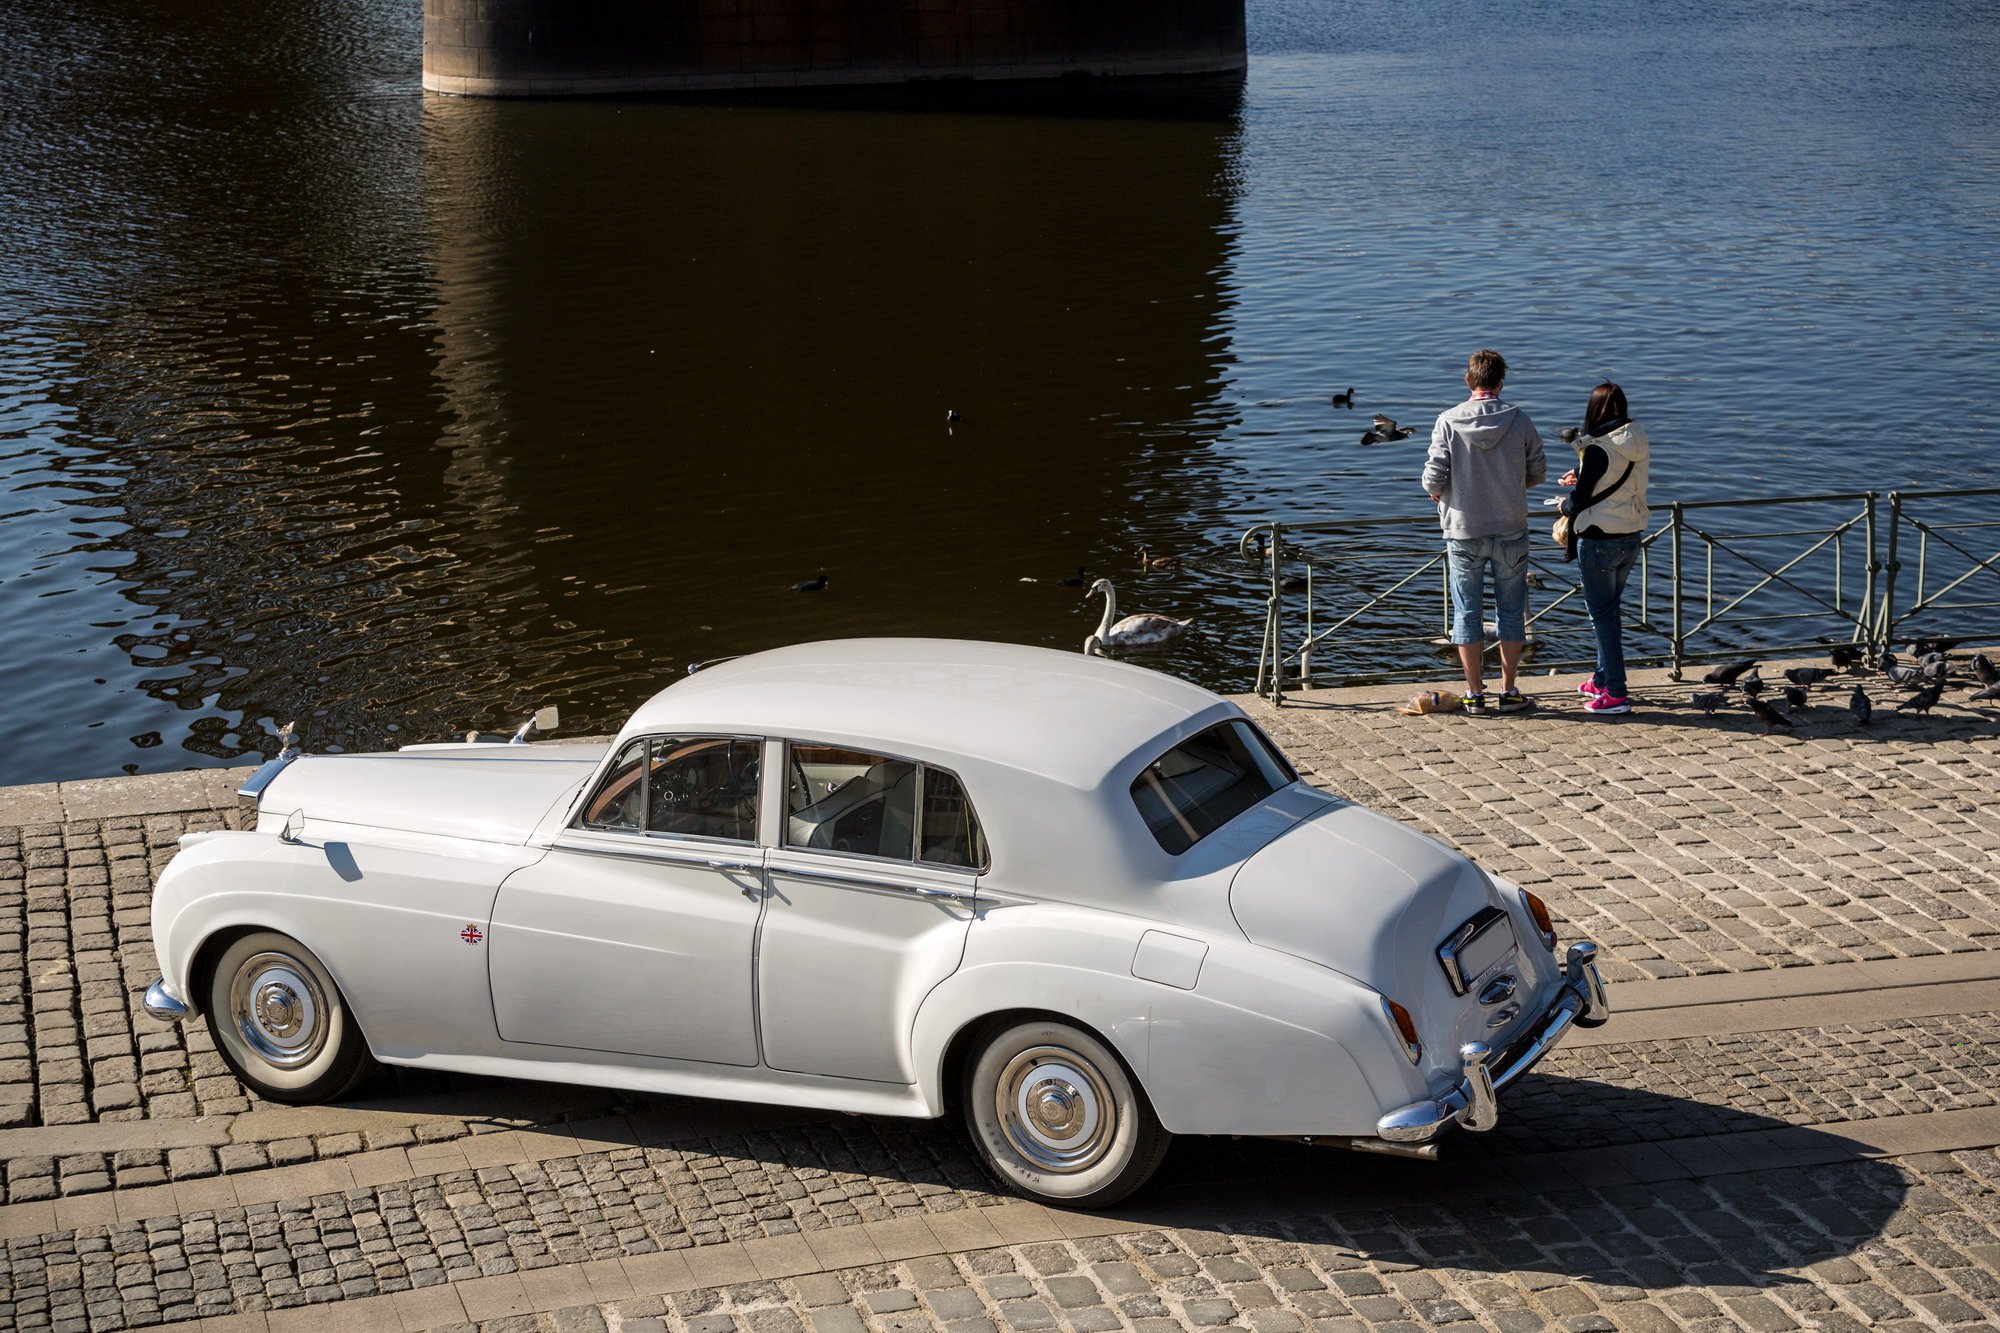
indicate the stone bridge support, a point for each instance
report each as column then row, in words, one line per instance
column 584, row 47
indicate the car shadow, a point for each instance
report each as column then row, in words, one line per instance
column 1742, row 1196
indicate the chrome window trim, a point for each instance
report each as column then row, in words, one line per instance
column 1470, row 929
column 578, row 824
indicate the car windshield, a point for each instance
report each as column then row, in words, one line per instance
column 1206, row 781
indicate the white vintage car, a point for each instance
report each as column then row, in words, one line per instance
column 1083, row 904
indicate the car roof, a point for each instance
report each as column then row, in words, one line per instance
column 1062, row 715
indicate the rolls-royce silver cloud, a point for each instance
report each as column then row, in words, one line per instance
column 1083, row 905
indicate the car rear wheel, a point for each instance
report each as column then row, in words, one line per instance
column 280, row 1022
column 1057, row 1117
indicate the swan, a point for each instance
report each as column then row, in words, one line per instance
column 1140, row 631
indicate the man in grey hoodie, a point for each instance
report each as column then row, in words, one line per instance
column 1485, row 454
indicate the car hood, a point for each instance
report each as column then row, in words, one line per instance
column 493, row 793
column 1356, row 892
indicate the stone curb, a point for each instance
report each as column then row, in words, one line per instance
column 1542, row 685
column 122, row 797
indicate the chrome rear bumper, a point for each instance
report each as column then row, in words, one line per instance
column 1474, row 1103
column 166, row 1006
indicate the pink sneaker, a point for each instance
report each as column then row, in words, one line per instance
column 1589, row 688
column 1607, row 703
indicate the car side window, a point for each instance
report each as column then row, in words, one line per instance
column 689, row 786
column 951, row 832
column 1206, row 781
column 619, row 802
column 845, row 800
column 704, row 787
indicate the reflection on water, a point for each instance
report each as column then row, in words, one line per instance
column 408, row 414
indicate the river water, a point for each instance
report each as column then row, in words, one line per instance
column 401, row 415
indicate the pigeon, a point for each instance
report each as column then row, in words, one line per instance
column 1077, row 580
column 1568, row 434
column 1752, row 685
column 1935, row 664
column 1982, row 667
column 1858, row 704
column 1990, row 692
column 815, row 584
column 1923, row 700
column 1922, row 647
column 1795, row 697
column 1768, row 715
column 1807, row 675
column 1726, row 675
column 1708, row 703
column 1845, row 658
column 1901, row 674
column 1387, row 431
column 1344, row 399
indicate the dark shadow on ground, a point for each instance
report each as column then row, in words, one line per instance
column 1490, row 1204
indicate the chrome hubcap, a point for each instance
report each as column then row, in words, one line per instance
column 277, row 1005
column 1056, row 1109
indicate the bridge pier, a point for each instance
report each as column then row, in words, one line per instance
column 501, row 48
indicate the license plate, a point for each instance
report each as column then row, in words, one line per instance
column 1476, row 946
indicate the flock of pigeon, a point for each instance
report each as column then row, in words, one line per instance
column 1930, row 676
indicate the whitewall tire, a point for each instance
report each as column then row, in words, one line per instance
column 1057, row 1117
column 280, row 1022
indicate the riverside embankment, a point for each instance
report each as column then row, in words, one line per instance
column 1790, row 1122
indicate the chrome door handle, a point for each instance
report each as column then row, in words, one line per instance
column 943, row 895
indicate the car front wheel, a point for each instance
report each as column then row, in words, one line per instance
column 1058, row 1118
column 280, row 1022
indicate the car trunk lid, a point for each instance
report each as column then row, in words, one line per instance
column 1361, row 894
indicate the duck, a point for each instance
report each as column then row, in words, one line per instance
column 1163, row 563
column 1386, row 431
column 1344, row 399
column 815, row 584
column 1076, row 580
column 1137, row 631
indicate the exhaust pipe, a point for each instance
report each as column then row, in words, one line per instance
column 1423, row 1152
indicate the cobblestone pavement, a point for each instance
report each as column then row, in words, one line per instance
column 1685, row 847
column 1686, row 844
column 1836, row 1249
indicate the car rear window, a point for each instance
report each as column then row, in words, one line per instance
column 1206, row 781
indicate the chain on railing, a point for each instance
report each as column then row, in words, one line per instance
column 1812, row 579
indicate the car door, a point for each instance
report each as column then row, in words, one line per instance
column 871, row 890
column 635, row 934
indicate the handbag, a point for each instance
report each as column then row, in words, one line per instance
column 1564, row 528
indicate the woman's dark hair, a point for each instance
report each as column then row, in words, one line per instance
column 1607, row 403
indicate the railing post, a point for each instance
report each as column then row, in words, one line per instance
column 1885, row 626
column 1872, row 592
column 1277, row 616
column 1677, row 592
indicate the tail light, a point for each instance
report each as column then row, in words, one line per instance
column 1539, row 910
column 1406, row 1028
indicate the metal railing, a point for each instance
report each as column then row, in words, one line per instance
column 1720, row 578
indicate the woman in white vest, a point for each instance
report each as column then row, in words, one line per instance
column 1607, row 503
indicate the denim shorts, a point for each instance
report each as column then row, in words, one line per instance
column 1468, row 558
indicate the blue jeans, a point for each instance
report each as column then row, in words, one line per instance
column 1604, row 563
column 1468, row 558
